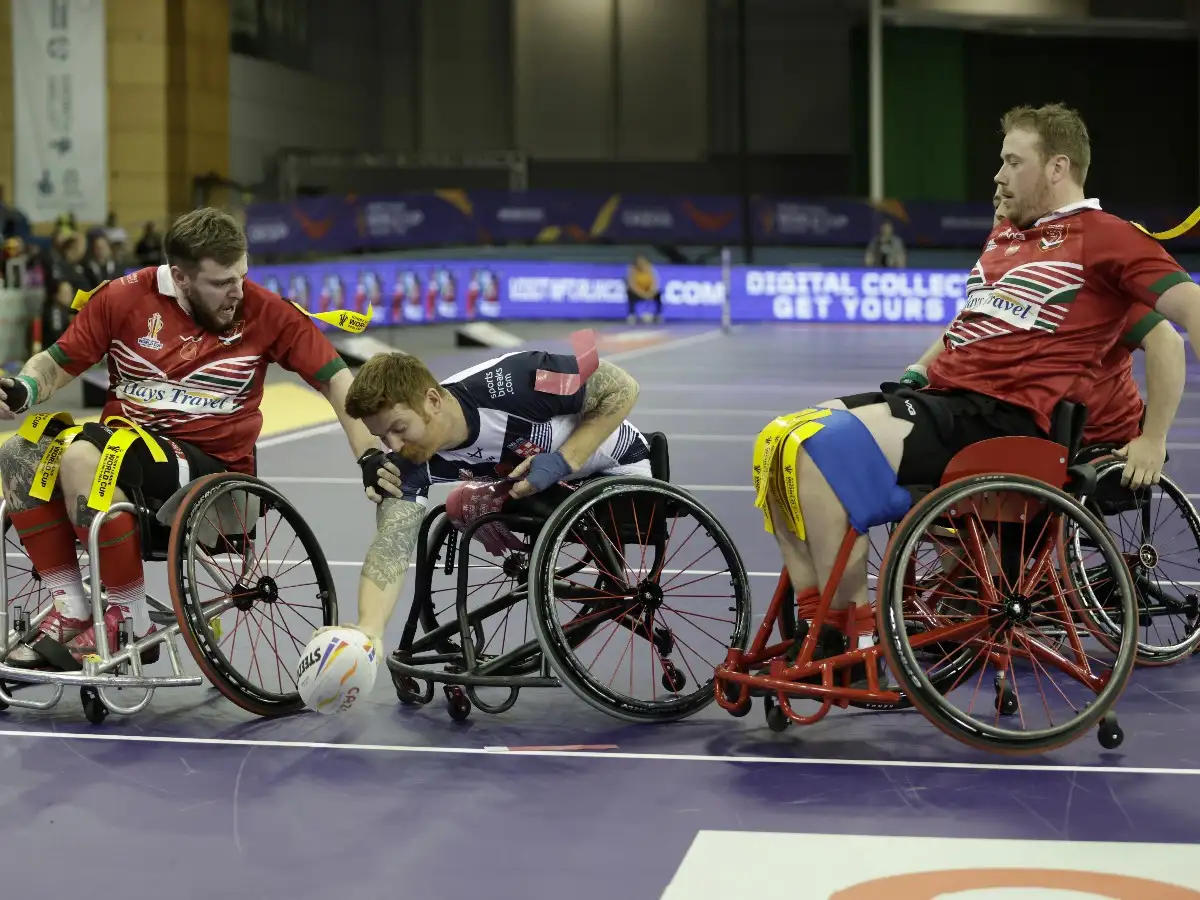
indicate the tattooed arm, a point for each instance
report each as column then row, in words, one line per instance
column 48, row 376
column 398, row 522
column 609, row 397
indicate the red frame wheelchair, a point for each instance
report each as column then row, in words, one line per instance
column 974, row 579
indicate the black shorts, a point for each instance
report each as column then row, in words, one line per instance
column 156, row 481
column 944, row 422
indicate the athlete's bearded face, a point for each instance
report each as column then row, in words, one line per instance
column 1024, row 182
column 213, row 293
column 416, row 434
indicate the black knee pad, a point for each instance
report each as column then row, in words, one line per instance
column 130, row 474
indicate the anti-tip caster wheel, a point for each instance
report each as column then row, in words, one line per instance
column 1006, row 701
column 409, row 692
column 458, row 704
column 93, row 707
column 732, row 692
column 1110, row 734
column 672, row 679
column 777, row 719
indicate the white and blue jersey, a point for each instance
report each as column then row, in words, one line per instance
column 509, row 420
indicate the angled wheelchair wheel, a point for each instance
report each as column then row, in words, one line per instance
column 1039, row 680
column 654, row 596
column 249, row 584
column 1158, row 533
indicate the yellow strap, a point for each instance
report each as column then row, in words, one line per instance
column 47, row 471
column 345, row 319
column 82, row 297
column 105, row 482
column 774, row 468
column 35, row 426
column 156, row 450
column 1181, row 229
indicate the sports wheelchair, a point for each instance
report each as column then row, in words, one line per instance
column 215, row 535
column 974, row 576
column 1158, row 531
column 628, row 608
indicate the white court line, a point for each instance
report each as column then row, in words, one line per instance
column 592, row 754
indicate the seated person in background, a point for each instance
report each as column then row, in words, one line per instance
column 1047, row 300
column 641, row 284
column 531, row 417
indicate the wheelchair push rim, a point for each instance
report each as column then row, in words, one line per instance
column 663, row 617
column 254, row 591
column 1017, row 618
column 1168, row 613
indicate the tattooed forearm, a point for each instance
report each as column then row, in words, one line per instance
column 49, row 376
column 398, row 524
column 610, row 390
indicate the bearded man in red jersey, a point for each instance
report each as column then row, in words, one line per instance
column 1046, row 302
column 188, row 345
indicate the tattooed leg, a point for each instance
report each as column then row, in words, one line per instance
column 19, row 460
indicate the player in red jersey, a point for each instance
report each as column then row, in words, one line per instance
column 188, row 346
column 1045, row 303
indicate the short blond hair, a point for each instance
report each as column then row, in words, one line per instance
column 1061, row 132
column 387, row 379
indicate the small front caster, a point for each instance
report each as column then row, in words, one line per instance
column 672, row 679
column 777, row 719
column 93, row 706
column 1110, row 734
column 459, row 705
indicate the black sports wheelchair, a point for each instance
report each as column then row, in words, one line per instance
column 248, row 585
column 632, row 588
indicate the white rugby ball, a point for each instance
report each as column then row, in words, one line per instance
column 337, row 668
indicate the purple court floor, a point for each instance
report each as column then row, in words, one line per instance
column 195, row 798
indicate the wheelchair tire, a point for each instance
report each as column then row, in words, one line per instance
column 565, row 659
column 195, row 616
column 915, row 683
column 1090, row 597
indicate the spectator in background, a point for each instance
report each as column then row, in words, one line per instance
column 886, row 250
column 67, row 275
column 99, row 266
column 13, row 223
column 149, row 249
column 116, row 235
column 641, row 284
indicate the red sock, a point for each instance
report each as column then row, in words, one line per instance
column 121, row 566
column 49, row 540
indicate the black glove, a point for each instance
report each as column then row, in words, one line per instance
column 370, row 463
column 16, row 394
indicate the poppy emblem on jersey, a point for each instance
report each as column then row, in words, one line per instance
column 190, row 348
column 1053, row 236
column 1012, row 249
column 232, row 334
column 150, row 340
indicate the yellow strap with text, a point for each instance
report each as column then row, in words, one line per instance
column 1178, row 231
column 345, row 319
column 104, row 484
column 156, row 450
column 46, row 475
column 35, row 426
column 82, row 297
column 774, row 468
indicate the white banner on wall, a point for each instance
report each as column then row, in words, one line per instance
column 60, row 88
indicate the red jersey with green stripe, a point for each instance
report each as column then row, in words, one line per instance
column 1114, row 404
column 167, row 373
column 1045, row 305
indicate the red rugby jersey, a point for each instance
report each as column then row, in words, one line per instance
column 168, row 374
column 1114, row 404
column 1046, row 304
